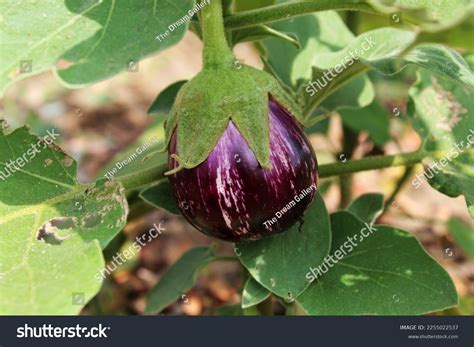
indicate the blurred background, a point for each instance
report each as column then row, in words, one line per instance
column 101, row 123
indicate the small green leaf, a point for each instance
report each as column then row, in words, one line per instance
column 140, row 155
column 97, row 39
column 253, row 293
column 367, row 207
column 317, row 33
column 160, row 195
column 164, row 101
column 374, row 119
column 358, row 92
column 385, row 273
column 463, row 235
column 178, row 279
column 442, row 113
column 52, row 228
column 279, row 262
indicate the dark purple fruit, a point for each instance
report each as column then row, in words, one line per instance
column 231, row 197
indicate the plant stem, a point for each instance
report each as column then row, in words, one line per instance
column 216, row 50
column 144, row 177
column 406, row 175
column 283, row 11
column 150, row 175
column 349, row 145
column 372, row 163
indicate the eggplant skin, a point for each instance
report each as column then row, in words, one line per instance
column 231, row 197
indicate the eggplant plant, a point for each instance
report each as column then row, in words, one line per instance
column 240, row 166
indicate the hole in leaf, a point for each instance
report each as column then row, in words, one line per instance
column 48, row 231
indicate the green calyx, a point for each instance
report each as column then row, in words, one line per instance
column 205, row 105
column 223, row 91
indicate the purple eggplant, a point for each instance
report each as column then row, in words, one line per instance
column 230, row 196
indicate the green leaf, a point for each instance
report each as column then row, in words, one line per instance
column 178, row 279
column 279, row 262
column 431, row 16
column 384, row 53
column 253, row 293
column 164, row 101
column 386, row 273
column 96, row 39
column 374, row 119
column 318, row 33
column 442, row 113
column 463, row 235
column 367, row 207
column 358, row 92
column 52, row 228
column 143, row 154
column 160, row 195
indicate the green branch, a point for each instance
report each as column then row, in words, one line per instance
column 371, row 163
column 148, row 176
column 283, row 11
column 144, row 177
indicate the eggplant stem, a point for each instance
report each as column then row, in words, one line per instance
column 216, row 49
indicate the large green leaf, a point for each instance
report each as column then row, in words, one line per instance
column 385, row 55
column 52, row 228
column 442, row 113
column 94, row 39
column 279, row 262
column 385, row 51
column 386, row 273
column 178, row 279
